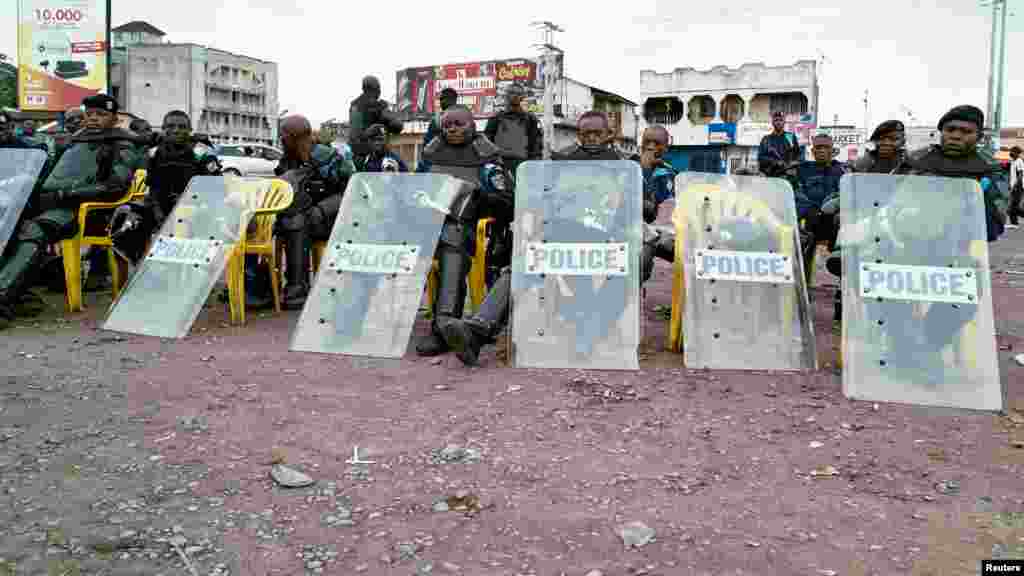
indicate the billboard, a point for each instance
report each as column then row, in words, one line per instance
column 481, row 86
column 62, row 52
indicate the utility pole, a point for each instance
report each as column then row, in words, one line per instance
column 998, row 124
column 990, row 106
column 550, row 54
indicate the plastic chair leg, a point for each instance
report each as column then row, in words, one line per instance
column 275, row 279
column 431, row 285
column 71, row 254
column 235, row 286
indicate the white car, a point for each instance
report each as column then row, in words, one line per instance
column 248, row 159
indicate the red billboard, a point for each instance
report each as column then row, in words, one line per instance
column 481, row 86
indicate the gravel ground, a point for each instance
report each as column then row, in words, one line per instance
column 135, row 455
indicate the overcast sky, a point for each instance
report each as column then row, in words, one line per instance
column 927, row 55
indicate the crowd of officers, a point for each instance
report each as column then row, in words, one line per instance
column 97, row 162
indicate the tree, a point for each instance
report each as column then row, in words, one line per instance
column 8, row 86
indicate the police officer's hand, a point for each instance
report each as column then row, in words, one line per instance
column 830, row 206
column 124, row 218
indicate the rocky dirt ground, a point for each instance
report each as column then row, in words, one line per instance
column 132, row 455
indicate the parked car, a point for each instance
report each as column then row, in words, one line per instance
column 243, row 159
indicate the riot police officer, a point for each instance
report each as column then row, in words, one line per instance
column 99, row 166
column 319, row 175
column 168, row 172
column 515, row 131
column 468, row 336
column 381, row 158
column 463, row 153
column 659, row 184
column 366, row 110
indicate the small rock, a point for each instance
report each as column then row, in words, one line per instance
column 1019, row 359
column 816, row 444
column 636, row 534
column 948, row 487
column 362, row 568
column 441, row 506
column 753, row 544
column 289, row 478
column 455, row 567
column 595, row 573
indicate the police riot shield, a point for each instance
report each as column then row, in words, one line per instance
column 576, row 265
column 19, row 170
column 370, row 281
column 745, row 301
column 917, row 306
column 187, row 256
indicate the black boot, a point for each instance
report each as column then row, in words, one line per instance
column 257, row 284
column 453, row 268
column 98, row 279
column 6, row 316
column 296, row 270
column 469, row 336
column 665, row 247
column 18, row 272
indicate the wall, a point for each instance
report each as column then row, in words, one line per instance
column 750, row 87
column 157, row 81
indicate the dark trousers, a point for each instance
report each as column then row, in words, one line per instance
column 1015, row 211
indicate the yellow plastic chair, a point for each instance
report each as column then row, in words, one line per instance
column 260, row 241
column 71, row 249
column 742, row 203
column 477, row 272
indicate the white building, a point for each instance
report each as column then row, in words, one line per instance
column 717, row 117
column 231, row 97
column 572, row 98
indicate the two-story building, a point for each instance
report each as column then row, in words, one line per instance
column 717, row 117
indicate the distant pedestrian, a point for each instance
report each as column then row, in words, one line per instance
column 1015, row 209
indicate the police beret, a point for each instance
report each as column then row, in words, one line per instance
column 100, row 101
column 964, row 113
column 885, row 128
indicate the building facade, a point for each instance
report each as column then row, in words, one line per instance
column 230, row 97
column 717, row 117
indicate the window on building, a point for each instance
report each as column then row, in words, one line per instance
column 702, row 110
column 732, row 108
column 663, row 110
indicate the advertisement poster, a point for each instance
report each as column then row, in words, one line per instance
column 481, row 86
column 62, row 52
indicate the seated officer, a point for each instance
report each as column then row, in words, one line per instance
column 319, row 176
column 381, row 158
column 659, row 185
column 818, row 182
column 921, row 231
column 468, row 336
column 99, row 166
column 461, row 152
column 168, row 173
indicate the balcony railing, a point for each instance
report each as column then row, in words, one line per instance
column 230, row 85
